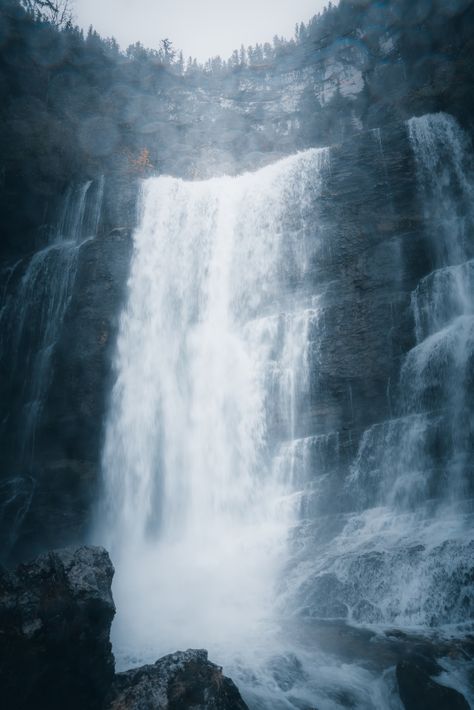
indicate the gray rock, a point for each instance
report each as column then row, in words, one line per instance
column 185, row 680
column 55, row 618
column 418, row 691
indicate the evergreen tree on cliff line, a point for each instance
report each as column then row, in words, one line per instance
column 168, row 51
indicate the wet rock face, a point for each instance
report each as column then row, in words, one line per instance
column 55, row 618
column 180, row 681
column 418, row 691
column 70, row 428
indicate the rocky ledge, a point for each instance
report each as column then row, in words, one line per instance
column 55, row 650
column 181, row 680
column 55, row 618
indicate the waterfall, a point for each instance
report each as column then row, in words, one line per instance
column 212, row 369
column 437, row 374
column 235, row 519
column 445, row 178
column 36, row 296
column 403, row 554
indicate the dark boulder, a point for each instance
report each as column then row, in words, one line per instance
column 181, row 681
column 418, row 691
column 55, row 651
column 55, row 618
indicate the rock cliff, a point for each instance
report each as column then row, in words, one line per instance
column 55, row 617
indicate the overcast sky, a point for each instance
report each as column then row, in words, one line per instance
column 201, row 28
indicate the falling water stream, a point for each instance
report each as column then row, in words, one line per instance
column 31, row 316
column 206, row 465
column 212, row 365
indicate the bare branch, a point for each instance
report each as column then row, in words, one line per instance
column 58, row 13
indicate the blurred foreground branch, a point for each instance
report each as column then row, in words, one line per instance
column 58, row 12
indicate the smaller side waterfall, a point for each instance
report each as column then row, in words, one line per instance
column 35, row 300
column 403, row 556
column 437, row 376
column 444, row 165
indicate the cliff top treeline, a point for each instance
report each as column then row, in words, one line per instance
column 74, row 106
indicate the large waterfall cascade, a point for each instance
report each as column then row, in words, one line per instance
column 212, row 366
column 206, row 462
column 36, row 295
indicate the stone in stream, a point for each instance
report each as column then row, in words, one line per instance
column 182, row 680
column 418, row 691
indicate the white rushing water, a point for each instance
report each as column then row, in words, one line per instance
column 208, row 468
column 212, row 367
column 403, row 555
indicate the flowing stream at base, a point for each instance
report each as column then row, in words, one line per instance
column 206, row 467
